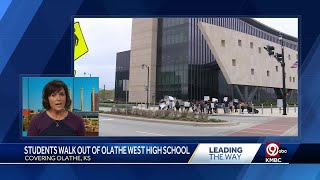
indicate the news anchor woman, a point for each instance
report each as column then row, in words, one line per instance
column 56, row 120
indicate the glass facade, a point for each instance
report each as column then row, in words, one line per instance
column 186, row 67
column 172, row 58
column 122, row 73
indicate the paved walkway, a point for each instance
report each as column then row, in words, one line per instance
column 275, row 112
column 279, row 126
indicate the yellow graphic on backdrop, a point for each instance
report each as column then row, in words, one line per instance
column 80, row 46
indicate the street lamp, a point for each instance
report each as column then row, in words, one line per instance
column 284, row 98
column 280, row 59
column 87, row 73
column 142, row 66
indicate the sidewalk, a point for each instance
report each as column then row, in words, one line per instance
column 265, row 112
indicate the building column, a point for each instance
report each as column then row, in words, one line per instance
column 92, row 100
column 239, row 92
column 70, row 94
column 81, row 99
column 143, row 51
column 252, row 93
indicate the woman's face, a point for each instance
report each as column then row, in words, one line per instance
column 57, row 100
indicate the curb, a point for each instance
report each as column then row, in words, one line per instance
column 187, row 123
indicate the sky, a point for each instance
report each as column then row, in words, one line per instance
column 105, row 37
column 286, row 25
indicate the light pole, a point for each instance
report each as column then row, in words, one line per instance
column 280, row 59
column 87, row 73
column 284, row 91
column 142, row 66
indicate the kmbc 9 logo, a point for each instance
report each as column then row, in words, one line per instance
column 273, row 151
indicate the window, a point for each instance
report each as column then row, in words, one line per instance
column 233, row 62
column 277, row 68
column 239, row 42
column 268, row 73
column 223, row 43
column 252, row 71
column 293, row 79
column 120, row 83
column 251, row 45
column 290, row 78
column 289, row 57
column 259, row 50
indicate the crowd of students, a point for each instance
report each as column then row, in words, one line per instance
column 195, row 106
column 208, row 107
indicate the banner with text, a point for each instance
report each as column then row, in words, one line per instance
column 219, row 153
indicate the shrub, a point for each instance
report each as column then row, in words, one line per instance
column 177, row 114
column 129, row 111
column 158, row 114
column 113, row 110
column 153, row 114
column 203, row 116
column 149, row 114
column 118, row 110
column 191, row 115
column 164, row 114
column 171, row 115
column 134, row 111
column 140, row 112
column 184, row 115
column 167, row 113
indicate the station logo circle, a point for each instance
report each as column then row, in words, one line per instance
column 272, row 149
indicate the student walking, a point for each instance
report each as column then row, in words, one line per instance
column 235, row 104
column 202, row 106
column 226, row 105
column 177, row 106
column 210, row 107
column 187, row 105
column 242, row 106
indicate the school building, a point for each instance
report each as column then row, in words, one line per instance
column 189, row 58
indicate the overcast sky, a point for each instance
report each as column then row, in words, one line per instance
column 107, row 36
column 286, row 25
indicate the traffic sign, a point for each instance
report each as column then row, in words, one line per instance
column 80, row 46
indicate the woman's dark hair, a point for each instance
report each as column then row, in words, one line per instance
column 52, row 87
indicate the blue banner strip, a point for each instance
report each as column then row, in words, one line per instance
column 141, row 153
column 96, row 153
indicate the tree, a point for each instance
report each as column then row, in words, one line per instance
column 106, row 94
